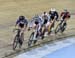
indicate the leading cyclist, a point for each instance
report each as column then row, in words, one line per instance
column 21, row 24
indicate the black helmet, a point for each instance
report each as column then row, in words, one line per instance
column 21, row 17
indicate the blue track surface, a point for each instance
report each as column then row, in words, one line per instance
column 58, row 49
column 67, row 52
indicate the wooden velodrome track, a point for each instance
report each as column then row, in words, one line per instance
column 11, row 9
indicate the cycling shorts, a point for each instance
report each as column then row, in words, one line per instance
column 21, row 25
column 45, row 21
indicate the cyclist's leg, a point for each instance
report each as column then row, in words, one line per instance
column 20, row 30
column 21, row 36
column 52, row 25
column 49, row 28
column 52, row 22
column 64, row 25
column 61, row 22
column 22, row 33
column 35, row 31
column 43, row 28
column 35, row 36
column 39, row 30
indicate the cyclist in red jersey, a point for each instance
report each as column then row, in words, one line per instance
column 65, row 14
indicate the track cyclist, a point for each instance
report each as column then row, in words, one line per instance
column 21, row 24
column 53, row 17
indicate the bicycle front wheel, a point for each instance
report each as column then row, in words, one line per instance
column 57, row 29
column 31, row 39
column 63, row 27
column 15, row 42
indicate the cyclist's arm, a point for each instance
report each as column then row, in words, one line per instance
column 57, row 15
column 17, row 22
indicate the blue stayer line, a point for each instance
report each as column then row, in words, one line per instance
column 47, row 49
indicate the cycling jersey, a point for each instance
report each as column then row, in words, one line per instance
column 35, row 20
column 65, row 15
column 53, row 15
column 45, row 18
column 35, row 23
column 21, row 23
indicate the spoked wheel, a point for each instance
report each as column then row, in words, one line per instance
column 15, row 42
column 30, row 42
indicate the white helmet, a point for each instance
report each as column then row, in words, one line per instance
column 53, row 9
